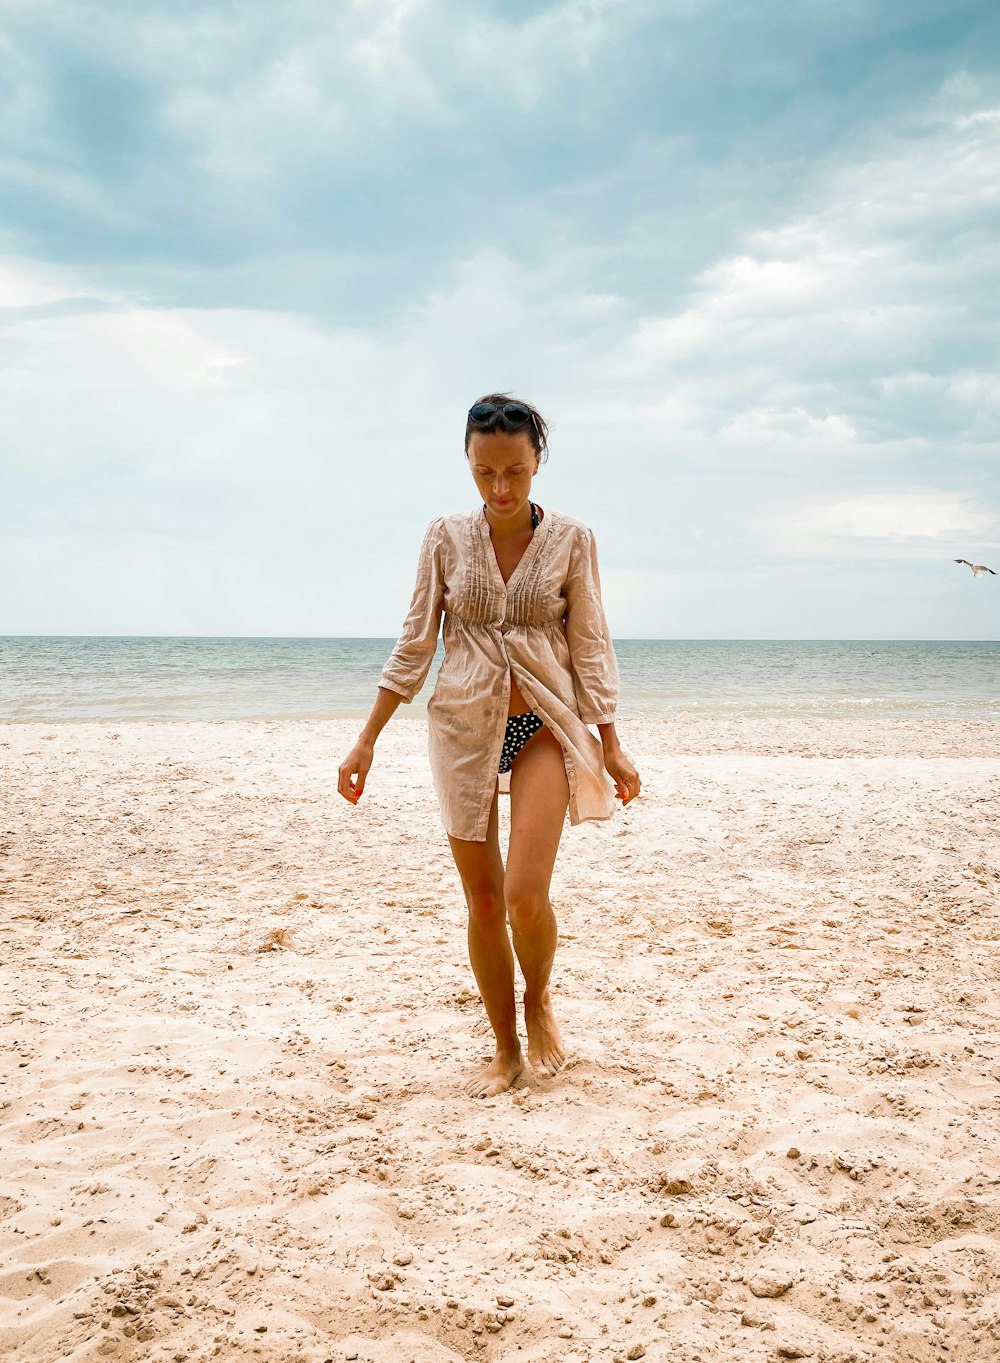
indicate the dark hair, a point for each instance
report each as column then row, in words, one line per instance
column 537, row 428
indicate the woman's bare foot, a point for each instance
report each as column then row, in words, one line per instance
column 545, row 1048
column 498, row 1075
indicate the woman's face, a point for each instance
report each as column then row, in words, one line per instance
column 503, row 464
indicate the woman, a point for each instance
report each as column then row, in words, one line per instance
column 528, row 666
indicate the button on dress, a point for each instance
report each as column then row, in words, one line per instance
column 546, row 626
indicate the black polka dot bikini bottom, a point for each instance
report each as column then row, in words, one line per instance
column 519, row 729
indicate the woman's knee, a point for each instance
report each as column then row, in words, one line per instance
column 527, row 904
column 486, row 903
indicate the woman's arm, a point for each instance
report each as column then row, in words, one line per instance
column 355, row 767
column 618, row 766
column 407, row 666
column 595, row 667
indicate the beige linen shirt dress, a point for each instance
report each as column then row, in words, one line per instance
column 546, row 626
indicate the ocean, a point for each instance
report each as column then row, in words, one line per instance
column 54, row 678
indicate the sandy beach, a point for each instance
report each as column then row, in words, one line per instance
column 238, row 1014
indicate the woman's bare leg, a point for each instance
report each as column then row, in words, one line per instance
column 481, row 869
column 539, row 795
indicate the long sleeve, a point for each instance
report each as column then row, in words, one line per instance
column 407, row 666
column 595, row 667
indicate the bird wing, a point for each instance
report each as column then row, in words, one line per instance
column 962, row 560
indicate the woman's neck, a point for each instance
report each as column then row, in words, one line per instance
column 511, row 525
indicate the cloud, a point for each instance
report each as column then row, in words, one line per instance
column 919, row 522
column 762, row 427
column 855, row 342
column 257, row 262
column 339, row 159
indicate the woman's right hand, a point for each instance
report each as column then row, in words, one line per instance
column 352, row 771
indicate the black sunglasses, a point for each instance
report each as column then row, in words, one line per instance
column 514, row 413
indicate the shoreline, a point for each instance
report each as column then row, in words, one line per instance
column 243, row 1012
column 865, row 734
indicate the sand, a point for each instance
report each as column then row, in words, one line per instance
column 238, row 1014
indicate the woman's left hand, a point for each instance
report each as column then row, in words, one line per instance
column 624, row 775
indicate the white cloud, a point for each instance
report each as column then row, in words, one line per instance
column 768, row 427
column 914, row 521
column 871, row 284
column 22, row 286
column 255, row 470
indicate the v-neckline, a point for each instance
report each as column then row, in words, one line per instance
column 529, row 552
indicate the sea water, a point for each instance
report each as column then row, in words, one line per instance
column 54, row 678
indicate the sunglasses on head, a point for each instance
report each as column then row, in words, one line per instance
column 514, row 413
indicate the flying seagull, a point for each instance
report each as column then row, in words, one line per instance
column 977, row 568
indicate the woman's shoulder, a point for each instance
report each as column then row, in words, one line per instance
column 567, row 526
column 454, row 525
column 448, row 522
column 450, row 530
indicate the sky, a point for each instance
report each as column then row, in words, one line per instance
column 257, row 260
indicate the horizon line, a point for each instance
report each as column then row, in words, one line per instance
column 623, row 639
